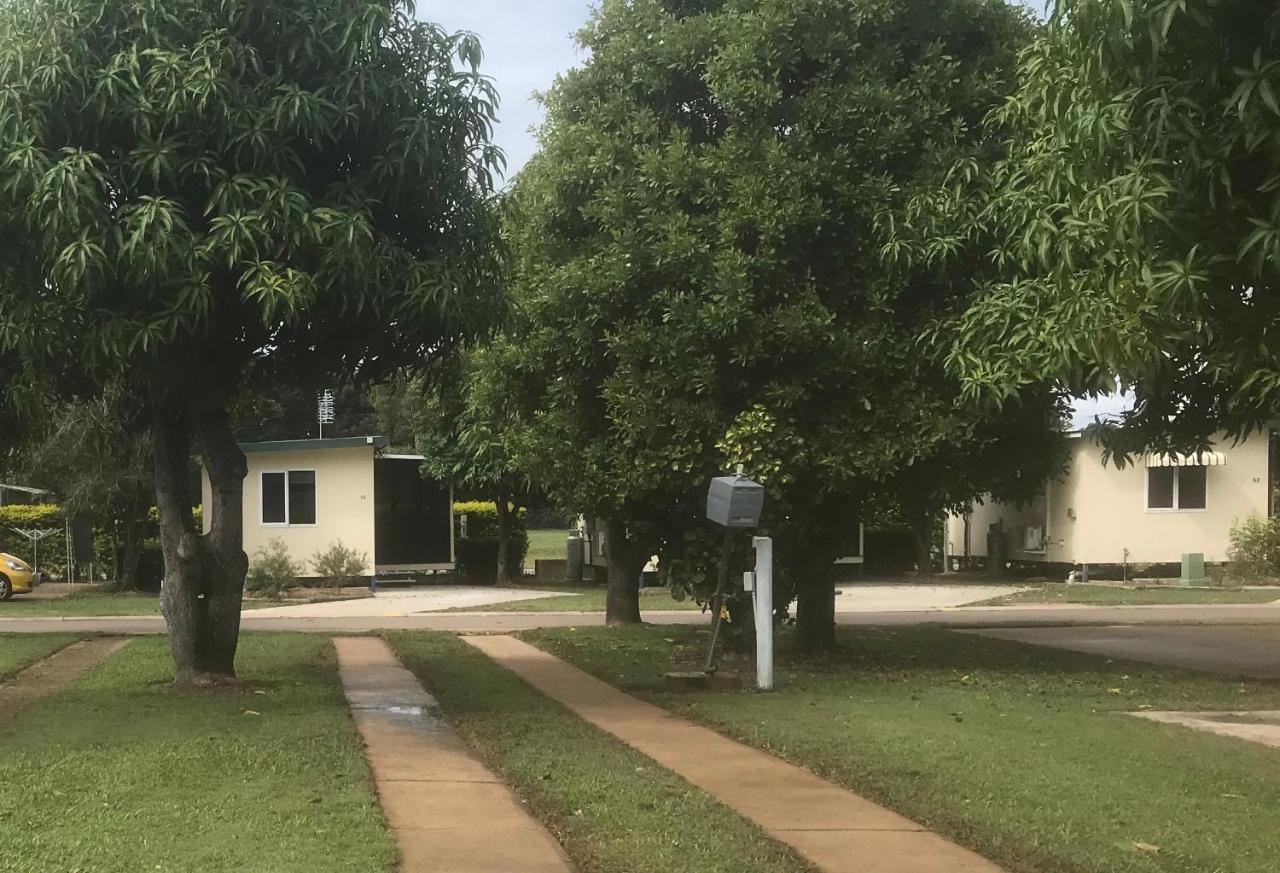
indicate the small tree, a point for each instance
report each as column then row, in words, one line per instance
column 96, row 456
column 466, row 418
column 189, row 190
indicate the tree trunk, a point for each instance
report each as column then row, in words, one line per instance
column 204, row 573
column 816, row 611
column 130, row 551
column 626, row 563
column 922, row 535
column 503, row 575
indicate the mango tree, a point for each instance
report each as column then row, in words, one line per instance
column 1135, row 222
column 190, row 188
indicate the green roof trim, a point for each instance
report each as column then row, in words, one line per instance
column 373, row 442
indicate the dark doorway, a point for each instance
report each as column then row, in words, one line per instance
column 412, row 515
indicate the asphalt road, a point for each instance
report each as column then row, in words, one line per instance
column 1252, row 651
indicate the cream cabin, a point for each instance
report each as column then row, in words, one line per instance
column 1152, row 511
column 311, row 494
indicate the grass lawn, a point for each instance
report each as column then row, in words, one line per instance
column 1108, row 595
column 93, row 602
column 590, row 598
column 90, row 602
column 19, row 651
column 614, row 810
column 120, row 774
column 546, row 544
column 1021, row 752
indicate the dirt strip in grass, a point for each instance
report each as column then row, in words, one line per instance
column 18, row 651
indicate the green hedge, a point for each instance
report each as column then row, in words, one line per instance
column 477, row 552
column 31, row 516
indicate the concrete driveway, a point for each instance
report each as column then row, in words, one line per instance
column 1237, row 650
column 393, row 603
column 872, row 597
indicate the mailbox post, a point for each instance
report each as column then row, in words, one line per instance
column 735, row 503
column 760, row 583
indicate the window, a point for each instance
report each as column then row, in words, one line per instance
column 289, row 497
column 1176, row 487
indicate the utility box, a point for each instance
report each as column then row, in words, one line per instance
column 735, row 502
column 1193, row 570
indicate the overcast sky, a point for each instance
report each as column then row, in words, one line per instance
column 525, row 44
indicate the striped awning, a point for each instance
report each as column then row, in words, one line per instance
column 1195, row 459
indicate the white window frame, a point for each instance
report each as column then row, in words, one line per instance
column 1177, row 499
column 288, row 509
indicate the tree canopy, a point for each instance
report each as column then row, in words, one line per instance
column 1134, row 226
column 188, row 188
column 700, row 278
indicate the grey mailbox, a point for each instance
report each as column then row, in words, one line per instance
column 735, row 502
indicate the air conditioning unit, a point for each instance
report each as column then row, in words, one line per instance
column 1033, row 539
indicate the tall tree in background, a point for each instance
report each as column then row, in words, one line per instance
column 1136, row 220
column 700, row 277
column 467, row 413
column 95, row 455
column 190, row 188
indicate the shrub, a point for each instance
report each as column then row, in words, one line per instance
column 31, row 516
column 339, row 565
column 272, row 570
column 1255, row 547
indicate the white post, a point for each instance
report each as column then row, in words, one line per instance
column 763, row 598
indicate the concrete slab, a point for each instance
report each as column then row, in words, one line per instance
column 448, row 812
column 1236, row 650
column 46, row 678
column 1259, row 726
column 834, row 829
column 397, row 603
column 862, row 597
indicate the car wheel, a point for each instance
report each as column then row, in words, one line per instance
column 6, row 588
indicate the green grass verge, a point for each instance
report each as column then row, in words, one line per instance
column 612, row 808
column 588, row 598
column 119, row 774
column 546, row 545
column 1108, row 595
column 20, row 650
column 1021, row 752
column 92, row 601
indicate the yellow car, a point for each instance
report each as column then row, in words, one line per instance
column 16, row 576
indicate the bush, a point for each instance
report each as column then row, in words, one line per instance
column 1255, row 547
column 339, row 565
column 31, row 516
column 272, row 570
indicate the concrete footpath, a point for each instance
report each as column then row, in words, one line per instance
column 447, row 811
column 834, row 829
column 47, row 677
